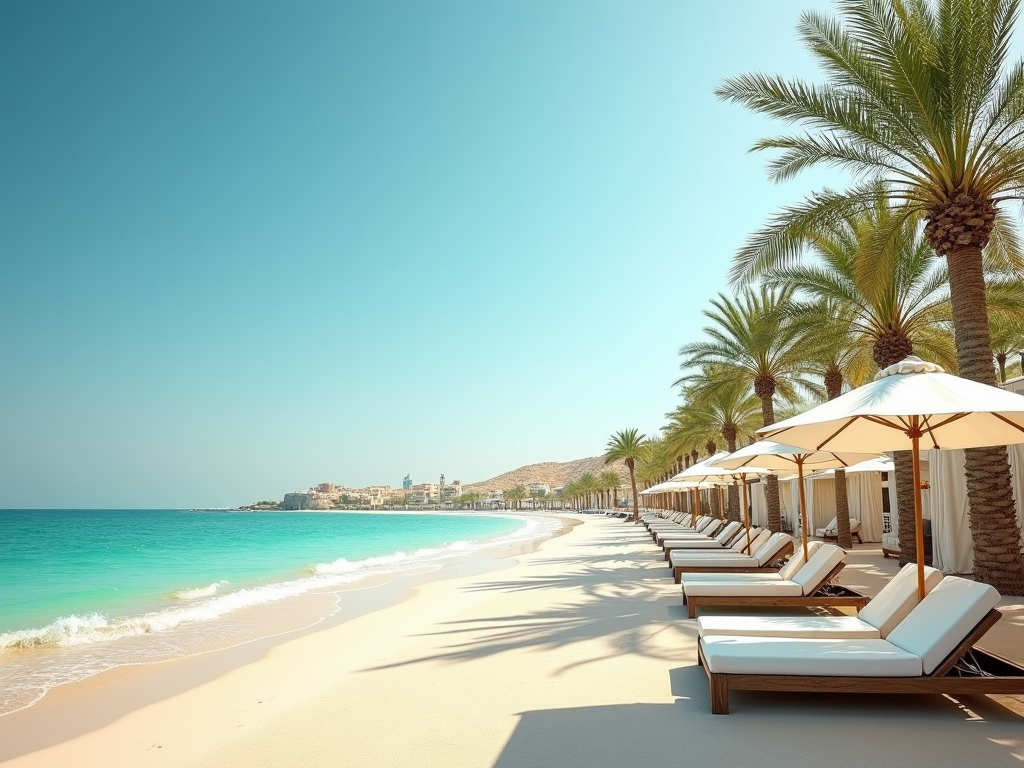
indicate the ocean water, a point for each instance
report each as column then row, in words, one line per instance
column 82, row 591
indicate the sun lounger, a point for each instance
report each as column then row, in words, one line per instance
column 792, row 566
column 661, row 534
column 881, row 616
column 724, row 539
column 876, row 619
column 738, row 545
column 932, row 650
column 775, row 547
column 831, row 533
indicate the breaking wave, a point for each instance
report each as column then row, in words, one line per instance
column 205, row 604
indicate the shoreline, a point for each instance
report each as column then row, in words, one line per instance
column 577, row 654
column 68, row 711
column 246, row 601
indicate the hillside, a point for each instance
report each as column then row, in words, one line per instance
column 552, row 473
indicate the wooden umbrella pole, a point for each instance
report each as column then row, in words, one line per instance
column 695, row 503
column 803, row 503
column 915, row 441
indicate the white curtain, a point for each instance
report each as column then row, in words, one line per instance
column 951, row 531
column 1017, row 461
column 864, row 491
column 758, row 504
column 821, row 503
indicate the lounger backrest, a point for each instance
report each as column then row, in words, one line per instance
column 943, row 619
column 772, row 547
column 713, row 528
column 796, row 562
column 740, row 545
column 728, row 532
column 740, row 537
column 832, row 524
column 703, row 522
column 898, row 598
column 817, row 567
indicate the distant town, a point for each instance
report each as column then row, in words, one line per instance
column 440, row 495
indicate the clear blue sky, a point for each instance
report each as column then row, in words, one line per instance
column 246, row 247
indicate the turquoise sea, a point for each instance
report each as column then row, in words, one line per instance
column 84, row 590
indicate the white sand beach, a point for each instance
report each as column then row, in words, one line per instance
column 575, row 654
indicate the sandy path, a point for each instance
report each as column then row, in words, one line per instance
column 576, row 656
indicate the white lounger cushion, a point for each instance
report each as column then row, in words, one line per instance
column 682, row 558
column 771, row 548
column 898, row 598
column 711, row 544
column 730, row 578
column 796, row 562
column 726, row 654
column 818, row 567
column 756, row 540
column 942, row 620
column 838, row 627
column 756, row 588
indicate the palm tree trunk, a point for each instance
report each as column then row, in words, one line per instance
column 632, row 482
column 997, row 552
column 765, row 389
column 729, row 433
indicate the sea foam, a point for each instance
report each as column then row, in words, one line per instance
column 204, row 603
column 195, row 594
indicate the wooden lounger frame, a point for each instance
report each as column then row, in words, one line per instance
column 1006, row 677
column 851, row 598
column 679, row 570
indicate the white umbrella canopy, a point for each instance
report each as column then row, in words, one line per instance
column 784, row 458
column 696, row 470
column 907, row 402
column 909, row 397
column 671, row 486
column 881, row 464
column 779, row 457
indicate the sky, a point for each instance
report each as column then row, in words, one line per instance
column 249, row 246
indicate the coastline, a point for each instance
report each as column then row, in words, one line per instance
column 576, row 655
column 80, row 707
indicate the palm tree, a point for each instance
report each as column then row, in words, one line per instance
column 837, row 353
column 925, row 96
column 630, row 446
column 753, row 336
column 1006, row 326
column 516, row 494
column 610, row 481
column 718, row 404
column 869, row 273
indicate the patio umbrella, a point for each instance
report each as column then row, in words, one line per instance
column 906, row 402
column 784, row 458
column 696, row 473
column 706, row 472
